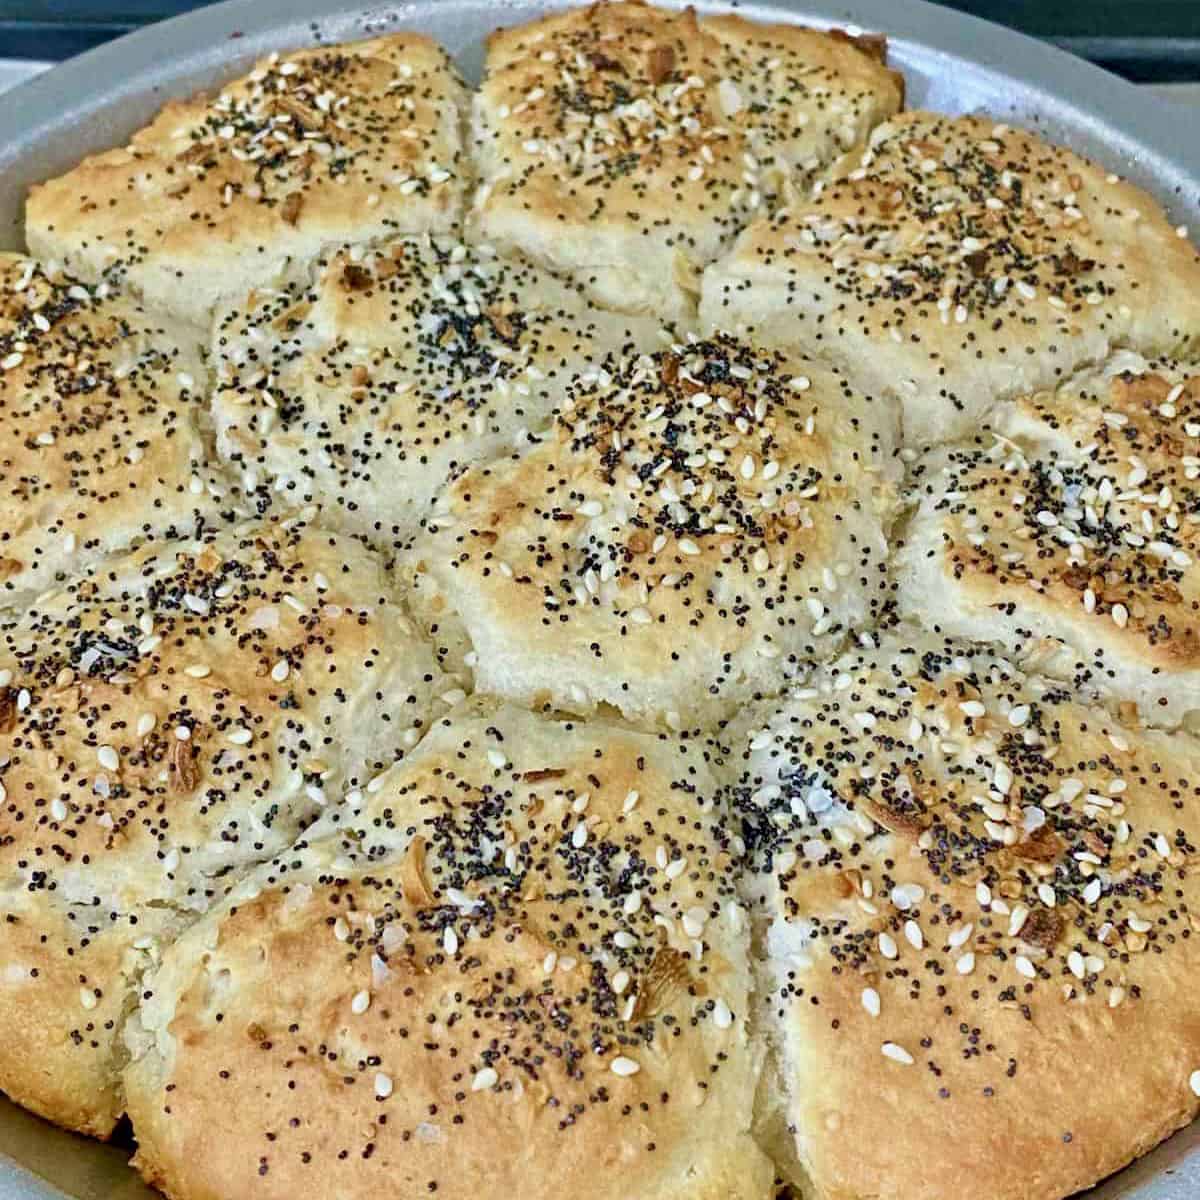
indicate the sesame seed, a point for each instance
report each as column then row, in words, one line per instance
column 906, row 895
column 484, row 1079
column 625, row 1066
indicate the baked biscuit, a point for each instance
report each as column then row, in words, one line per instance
column 517, row 968
column 217, row 195
column 627, row 144
column 694, row 524
column 1068, row 532
column 955, row 262
column 165, row 723
column 975, row 893
column 103, row 427
column 372, row 387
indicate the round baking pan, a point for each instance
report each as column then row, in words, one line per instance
column 952, row 63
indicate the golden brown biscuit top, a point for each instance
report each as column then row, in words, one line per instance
column 713, row 458
column 101, row 420
column 186, row 708
column 218, row 195
column 32, row 304
column 528, row 931
column 621, row 101
column 968, row 220
column 977, row 896
column 318, row 115
column 410, row 353
column 695, row 523
column 605, row 868
column 1088, row 497
column 973, row 823
column 61, row 339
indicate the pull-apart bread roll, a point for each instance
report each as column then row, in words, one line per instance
column 104, row 431
column 627, row 144
column 977, row 904
column 370, row 387
column 328, row 145
column 515, row 967
column 693, row 525
column 955, row 262
column 1068, row 531
column 165, row 723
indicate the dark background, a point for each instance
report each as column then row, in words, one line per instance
column 1147, row 40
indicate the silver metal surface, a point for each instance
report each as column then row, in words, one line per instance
column 17, row 70
column 952, row 62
